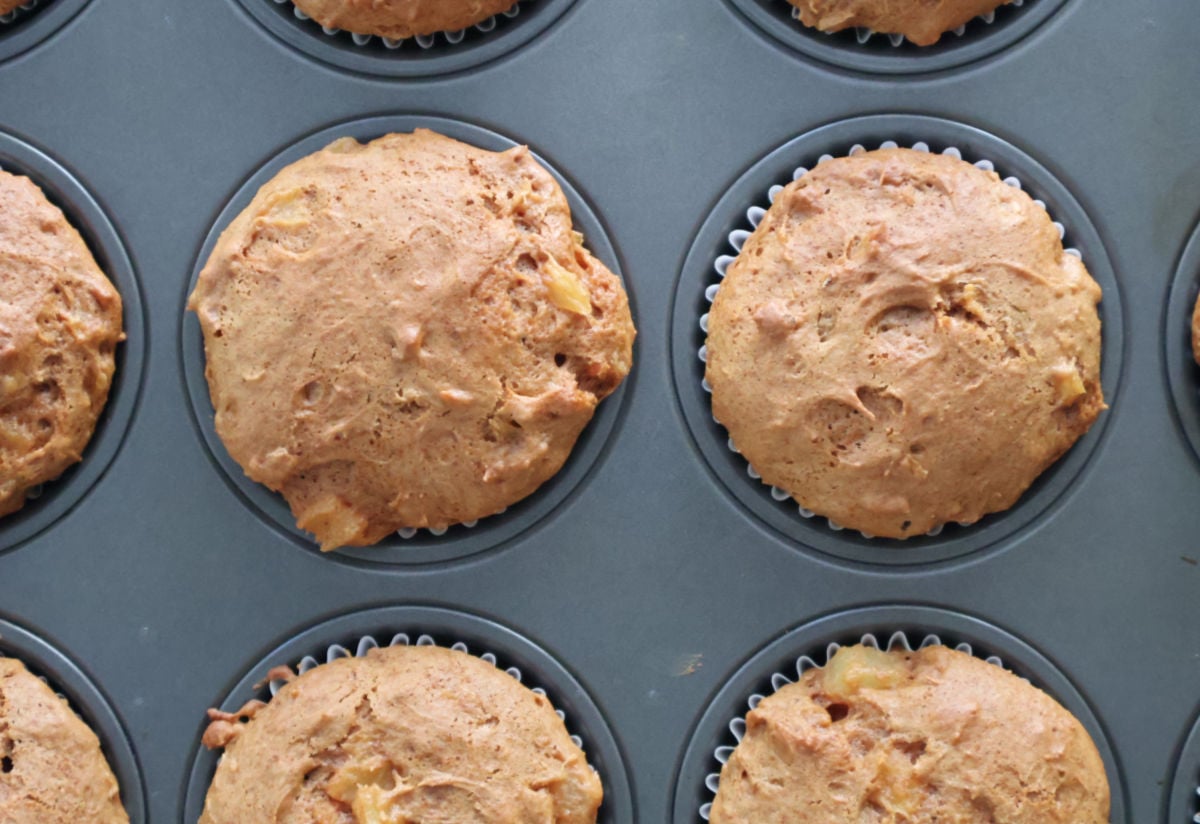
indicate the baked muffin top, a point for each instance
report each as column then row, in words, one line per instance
column 932, row 735
column 407, row 333
column 401, row 19
column 407, row 733
column 60, row 322
column 903, row 342
column 921, row 21
column 51, row 768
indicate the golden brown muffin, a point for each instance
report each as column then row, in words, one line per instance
column 891, row 738
column 10, row 5
column 903, row 342
column 405, row 734
column 400, row 19
column 60, row 322
column 51, row 768
column 1196, row 332
column 407, row 333
column 921, row 21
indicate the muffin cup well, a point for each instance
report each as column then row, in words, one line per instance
column 88, row 702
column 54, row 499
column 782, row 661
column 739, row 236
column 32, row 22
column 408, row 546
column 357, row 633
column 1183, row 800
column 1183, row 373
column 731, row 222
column 421, row 56
column 867, row 51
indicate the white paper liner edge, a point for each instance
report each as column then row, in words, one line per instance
column 897, row 640
column 424, row 41
column 16, row 14
column 863, row 35
column 738, row 237
column 408, row 532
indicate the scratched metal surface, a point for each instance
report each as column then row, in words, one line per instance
column 649, row 580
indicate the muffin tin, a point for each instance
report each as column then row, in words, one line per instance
column 653, row 584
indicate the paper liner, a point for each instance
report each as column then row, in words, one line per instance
column 738, row 237
column 864, row 35
column 423, row 41
column 408, row 533
column 737, row 726
column 20, row 12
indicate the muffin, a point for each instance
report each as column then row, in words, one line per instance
column 11, row 5
column 401, row 19
column 51, row 768
column 407, row 334
column 404, row 734
column 1196, row 332
column 903, row 342
column 60, row 323
column 920, row 21
column 932, row 735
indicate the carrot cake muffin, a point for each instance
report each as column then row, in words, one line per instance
column 932, row 735
column 407, row 733
column 51, row 768
column 60, row 322
column 903, row 342
column 921, row 21
column 407, row 333
column 401, row 19
column 1196, row 332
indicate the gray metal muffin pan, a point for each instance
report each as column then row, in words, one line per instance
column 649, row 585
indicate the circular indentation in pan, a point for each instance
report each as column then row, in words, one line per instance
column 423, row 546
column 57, row 497
column 66, row 679
column 878, row 53
column 1183, row 374
column 424, row 625
column 750, row 192
column 32, row 23
column 1184, row 800
column 694, row 788
column 438, row 54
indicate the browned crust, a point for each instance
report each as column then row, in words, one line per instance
column 903, row 342
column 921, row 21
column 401, row 19
column 385, row 346
column 958, row 740
column 60, row 322
column 432, row 734
column 51, row 768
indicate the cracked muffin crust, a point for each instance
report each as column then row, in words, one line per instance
column 931, row 735
column 51, row 768
column 407, row 333
column 921, row 21
column 903, row 342
column 401, row 19
column 407, row 733
column 60, row 323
